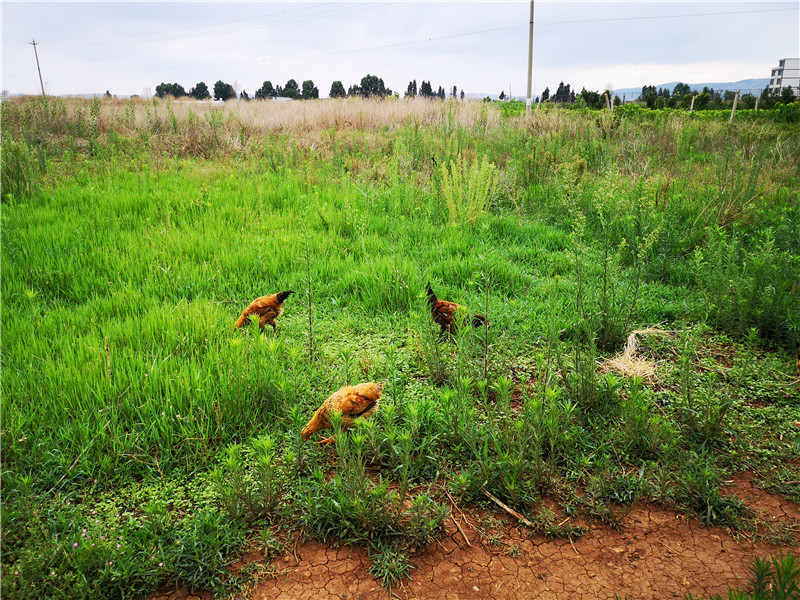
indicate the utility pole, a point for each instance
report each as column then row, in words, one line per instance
column 530, row 65
column 33, row 43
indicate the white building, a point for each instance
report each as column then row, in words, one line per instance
column 787, row 74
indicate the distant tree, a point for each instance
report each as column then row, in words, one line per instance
column 170, row 89
column 454, row 94
column 562, row 93
column 354, row 90
column 440, row 93
column 411, row 90
column 686, row 101
column 546, row 94
column 502, row 95
column 290, row 90
column 729, row 95
column 649, row 95
column 702, row 99
column 107, row 94
column 223, row 91
column 747, row 101
column 337, row 90
column 200, row 91
column 681, row 89
column 310, row 91
column 244, row 96
column 425, row 90
column 592, row 99
column 768, row 98
column 372, row 85
column 266, row 91
column 462, row 94
column 787, row 95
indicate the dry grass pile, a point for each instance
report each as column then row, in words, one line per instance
column 629, row 363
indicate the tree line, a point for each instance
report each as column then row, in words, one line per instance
column 681, row 96
column 370, row 86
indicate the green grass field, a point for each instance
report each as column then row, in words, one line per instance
column 145, row 441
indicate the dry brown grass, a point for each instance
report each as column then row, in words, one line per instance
column 299, row 116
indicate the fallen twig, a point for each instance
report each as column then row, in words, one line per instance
column 464, row 535
column 458, row 525
column 510, row 511
column 573, row 545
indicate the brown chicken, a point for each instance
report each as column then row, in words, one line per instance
column 445, row 313
column 352, row 401
column 268, row 308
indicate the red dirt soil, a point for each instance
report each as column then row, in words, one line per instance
column 655, row 555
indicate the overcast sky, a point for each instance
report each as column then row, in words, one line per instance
column 480, row 47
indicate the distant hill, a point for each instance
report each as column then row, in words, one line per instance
column 751, row 86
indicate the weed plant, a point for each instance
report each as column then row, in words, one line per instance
column 772, row 578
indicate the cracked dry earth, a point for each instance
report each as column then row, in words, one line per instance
column 656, row 554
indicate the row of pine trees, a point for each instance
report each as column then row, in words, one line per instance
column 369, row 87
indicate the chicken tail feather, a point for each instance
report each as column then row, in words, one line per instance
column 432, row 299
column 478, row 320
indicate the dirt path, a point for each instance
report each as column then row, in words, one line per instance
column 656, row 555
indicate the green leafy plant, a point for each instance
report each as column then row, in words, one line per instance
column 466, row 188
column 389, row 564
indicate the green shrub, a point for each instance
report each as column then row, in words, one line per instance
column 750, row 286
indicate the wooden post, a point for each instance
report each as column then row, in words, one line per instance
column 691, row 108
column 757, row 99
column 735, row 102
column 608, row 102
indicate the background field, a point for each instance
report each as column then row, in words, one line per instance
column 144, row 441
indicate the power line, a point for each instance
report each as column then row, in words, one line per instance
column 252, row 23
column 311, row 55
column 642, row 18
